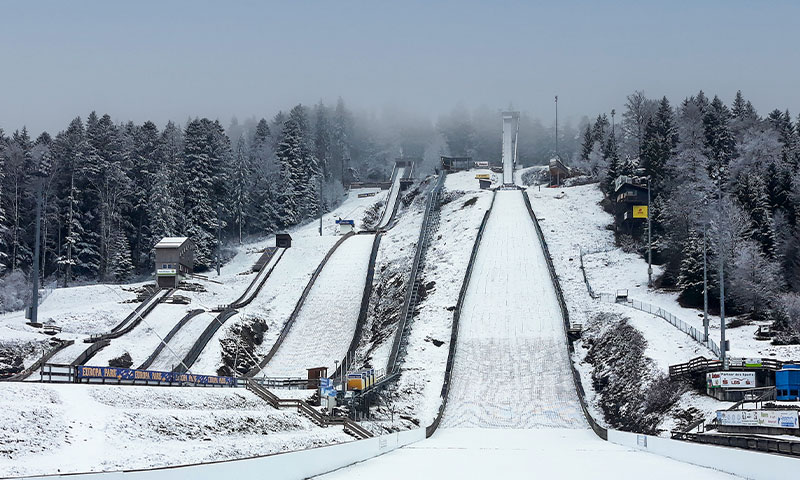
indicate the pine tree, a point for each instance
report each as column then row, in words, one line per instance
column 659, row 143
column 161, row 205
column 690, row 276
column 611, row 158
column 719, row 142
column 752, row 194
column 200, row 209
column 322, row 139
column 587, row 144
column 290, row 159
column 240, row 177
column 121, row 266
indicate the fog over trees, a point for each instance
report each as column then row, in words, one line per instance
column 111, row 190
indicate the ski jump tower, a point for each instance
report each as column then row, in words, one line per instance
column 510, row 132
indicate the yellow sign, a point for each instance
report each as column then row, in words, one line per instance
column 640, row 211
column 483, row 176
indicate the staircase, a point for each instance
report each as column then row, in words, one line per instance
column 304, row 408
column 430, row 224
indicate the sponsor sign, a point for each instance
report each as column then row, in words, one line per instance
column 365, row 195
column 483, row 176
column 640, row 211
column 731, row 379
column 325, row 382
column 127, row 374
column 758, row 418
column 166, row 271
column 745, row 362
column 352, row 223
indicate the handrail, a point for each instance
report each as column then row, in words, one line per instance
column 38, row 363
column 288, row 325
column 362, row 313
column 433, row 197
column 451, row 355
column 149, row 361
column 576, row 379
column 202, row 341
column 389, row 198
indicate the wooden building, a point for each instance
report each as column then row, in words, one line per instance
column 454, row 164
column 629, row 191
column 174, row 261
column 558, row 172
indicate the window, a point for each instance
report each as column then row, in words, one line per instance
column 793, row 393
column 163, row 265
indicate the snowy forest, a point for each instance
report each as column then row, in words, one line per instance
column 111, row 190
column 723, row 176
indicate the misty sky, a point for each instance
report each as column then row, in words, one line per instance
column 174, row 59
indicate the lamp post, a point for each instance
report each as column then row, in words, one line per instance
column 649, row 238
column 34, row 310
column 556, row 126
column 723, row 348
column 705, row 286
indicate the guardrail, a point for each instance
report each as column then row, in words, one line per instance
column 429, row 224
column 362, row 312
column 288, row 325
column 761, row 444
column 703, row 364
column 451, row 355
column 597, row 428
column 202, row 341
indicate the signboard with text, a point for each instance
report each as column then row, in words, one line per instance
column 731, row 379
column 640, row 211
column 758, row 418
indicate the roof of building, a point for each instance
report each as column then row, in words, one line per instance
column 172, row 242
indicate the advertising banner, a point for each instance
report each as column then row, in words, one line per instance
column 130, row 375
column 758, row 418
column 640, row 211
column 731, row 379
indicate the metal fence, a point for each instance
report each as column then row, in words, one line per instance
column 669, row 317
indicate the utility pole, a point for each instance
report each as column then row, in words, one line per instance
column 219, row 241
column 34, row 311
column 320, row 206
column 723, row 348
column 556, row 126
column 649, row 239
column 705, row 286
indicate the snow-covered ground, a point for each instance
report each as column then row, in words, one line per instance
column 324, row 328
column 177, row 348
column 417, row 392
column 572, row 218
column 512, row 383
column 395, row 258
column 511, row 367
column 77, row 428
column 394, row 194
column 539, row 454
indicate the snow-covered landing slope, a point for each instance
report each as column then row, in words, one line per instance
column 520, row 454
column 324, row 328
column 511, row 366
column 394, row 194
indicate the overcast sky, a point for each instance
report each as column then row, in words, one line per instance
column 141, row 60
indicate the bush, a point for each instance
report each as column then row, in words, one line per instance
column 123, row 361
column 15, row 292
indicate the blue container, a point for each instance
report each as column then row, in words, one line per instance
column 787, row 383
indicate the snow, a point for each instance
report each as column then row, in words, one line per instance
column 78, row 428
column 142, row 340
column 573, row 219
column 177, row 348
column 324, row 328
column 511, row 367
column 545, row 453
column 394, row 194
column 423, row 364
